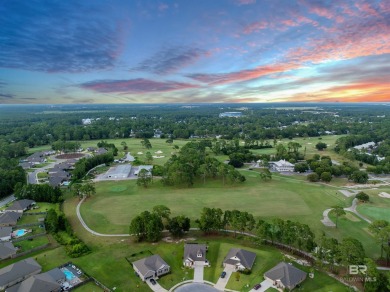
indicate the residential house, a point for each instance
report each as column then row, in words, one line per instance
column 239, row 259
column 285, row 276
column 281, row 166
column 5, row 234
column 17, row 272
column 365, row 146
column 9, row 218
column 20, row 206
column 46, row 282
column 151, row 267
column 100, row 151
column 195, row 254
column 91, row 149
column 7, row 250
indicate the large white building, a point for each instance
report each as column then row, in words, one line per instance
column 281, row 166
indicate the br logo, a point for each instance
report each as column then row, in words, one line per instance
column 357, row 269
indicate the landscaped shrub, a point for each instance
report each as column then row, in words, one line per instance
column 313, row 177
column 362, row 197
column 246, row 272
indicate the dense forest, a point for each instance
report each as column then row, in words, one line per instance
column 64, row 126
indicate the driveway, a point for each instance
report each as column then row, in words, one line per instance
column 222, row 282
column 156, row 287
column 198, row 272
column 264, row 286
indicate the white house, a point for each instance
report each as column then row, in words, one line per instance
column 281, row 166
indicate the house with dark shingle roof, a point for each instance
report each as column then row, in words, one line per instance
column 20, row 206
column 195, row 253
column 9, row 218
column 151, row 267
column 284, row 275
column 7, row 250
column 45, row 282
column 17, row 272
column 239, row 259
column 5, row 233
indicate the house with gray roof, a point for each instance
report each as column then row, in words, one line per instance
column 9, row 218
column 5, row 234
column 17, row 272
column 284, row 275
column 239, row 259
column 20, row 206
column 46, row 282
column 151, row 267
column 195, row 254
column 7, row 250
column 101, row 151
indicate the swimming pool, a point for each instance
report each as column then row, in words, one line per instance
column 20, row 232
column 68, row 275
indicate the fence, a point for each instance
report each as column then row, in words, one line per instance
column 30, row 251
column 28, row 237
column 29, row 224
column 35, row 213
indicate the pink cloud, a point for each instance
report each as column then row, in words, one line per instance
column 138, row 85
column 224, row 78
column 255, row 27
column 351, row 41
column 366, row 9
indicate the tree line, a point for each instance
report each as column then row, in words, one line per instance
column 329, row 252
column 84, row 165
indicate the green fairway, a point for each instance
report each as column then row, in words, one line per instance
column 378, row 208
column 111, row 210
column 352, row 226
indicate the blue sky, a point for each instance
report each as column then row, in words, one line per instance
column 194, row 51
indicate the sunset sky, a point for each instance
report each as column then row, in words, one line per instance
column 193, row 51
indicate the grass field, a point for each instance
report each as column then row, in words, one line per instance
column 378, row 208
column 26, row 245
column 116, row 203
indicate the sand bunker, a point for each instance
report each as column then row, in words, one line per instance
column 139, row 153
column 384, row 195
column 158, row 152
column 155, row 156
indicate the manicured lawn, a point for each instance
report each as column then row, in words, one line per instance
column 116, row 203
column 44, row 207
column 27, row 219
column 90, row 287
column 30, row 244
column 378, row 207
column 352, row 226
column 375, row 213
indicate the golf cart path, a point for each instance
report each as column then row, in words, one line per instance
column 328, row 222
column 89, row 229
